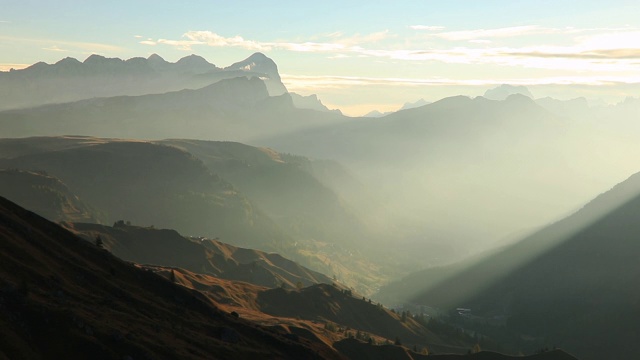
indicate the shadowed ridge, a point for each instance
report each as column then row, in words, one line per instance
column 207, row 256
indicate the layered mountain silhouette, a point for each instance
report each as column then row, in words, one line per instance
column 570, row 284
column 71, row 80
column 239, row 109
column 504, row 91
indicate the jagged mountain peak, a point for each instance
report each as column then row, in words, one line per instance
column 257, row 62
column 264, row 66
column 193, row 59
column 156, row 57
column 503, row 91
column 96, row 59
column 68, row 61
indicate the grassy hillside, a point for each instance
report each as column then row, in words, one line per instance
column 62, row 297
column 206, row 256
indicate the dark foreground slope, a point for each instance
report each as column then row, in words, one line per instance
column 62, row 297
column 572, row 284
column 355, row 349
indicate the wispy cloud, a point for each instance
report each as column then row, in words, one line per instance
column 303, row 83
column 427, row 27
column 335, row 42
column 583, row 49
column 55, row 48
column 76, row 46
column 493, row 33
column 212, row 39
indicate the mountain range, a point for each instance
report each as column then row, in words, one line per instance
column 238, row 108
column 70, row 80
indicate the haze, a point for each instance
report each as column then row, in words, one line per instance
column 474, row 164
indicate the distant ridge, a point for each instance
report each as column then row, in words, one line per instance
column 71, row 80
column 504, row 91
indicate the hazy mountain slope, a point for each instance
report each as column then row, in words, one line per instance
column 230, row 109
column 169, row 248
column 327, row 235
column 151, row 184
column 71, row 80
column 570, row 284
column 283, row 187
column 45, row 195
column 61, row 297
column 498, row 167
column 11, row 148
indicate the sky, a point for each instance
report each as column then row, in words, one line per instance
column 356, row 55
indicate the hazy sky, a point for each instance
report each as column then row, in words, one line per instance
column 356, row 55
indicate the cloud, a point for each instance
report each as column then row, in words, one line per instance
column 180, row 44
column 75, row 46
column 212, row 39
column 358, row 39
column 312, row 83
column 596, row 54
column 337, row 42
column 55, row 48
column 585, row 49
column 148, row 42
column 426, row 27
column 138, row 36
column 493, row 33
